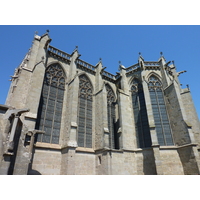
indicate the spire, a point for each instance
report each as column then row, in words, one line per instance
column 140, row 57
column 162, row 57
column 121, row 66
column 100, row 60
column 76, row 51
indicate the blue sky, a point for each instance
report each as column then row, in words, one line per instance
column 112, row 44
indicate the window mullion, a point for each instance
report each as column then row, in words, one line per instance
column 161, row 121
column 47, row 101
column 52, row 128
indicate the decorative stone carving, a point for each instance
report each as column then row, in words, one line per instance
column 11, row 119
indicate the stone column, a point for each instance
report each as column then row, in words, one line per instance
column 105, row 118
column 36, row 69
column 158, row 160
column 101, row 126
column 155, row 145
column 165, row 77
column 128, row 140
column 69, row 143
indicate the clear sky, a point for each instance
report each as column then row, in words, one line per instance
column 112, row 44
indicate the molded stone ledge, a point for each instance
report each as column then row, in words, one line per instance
column 185, row 90
column 4, row 107
column 187, row 145
column 168, row 148
column 152, row 126
column 47, row 145
column 176, row 147
column 74, row 124
column 106, row 130
column 189, row 125
column 31, row 115
column 117, row 150
column 108, row 150
column 83, row 149
column 155, row 145
column 119, row 130
column 122, row 92
column 138, row 149
column 72, row 143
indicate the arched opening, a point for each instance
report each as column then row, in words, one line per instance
column 111, row 114
column 140, row 115
column 84, row 134
column 51, row 102
column 161, row 120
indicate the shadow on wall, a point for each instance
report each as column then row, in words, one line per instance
column 33, row 172
column 30, row 170
column 16, row 143
column 149, row 167
column 188, row 160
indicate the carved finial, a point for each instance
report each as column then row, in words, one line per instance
column 119, row 62
column 77, row 47
column 187, row 86
column 36, row 32
column 140, row 56
column 161, row 53
column 47, row 30
column 100, row 59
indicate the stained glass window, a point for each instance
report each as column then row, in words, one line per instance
column 140, row 115
column 51, row 102
column 84, row 136
column 113, row 138
column 162, row 125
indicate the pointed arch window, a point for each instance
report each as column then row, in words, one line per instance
column 161, row 120
column 84, row 136
column 51, row 102
column 113, row 138
column 140, row 115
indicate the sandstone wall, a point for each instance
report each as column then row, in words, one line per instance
column 171, row 162
column 84, row 163
column 46, row 162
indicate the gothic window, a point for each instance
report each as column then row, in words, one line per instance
column 113, row 139
column 51, row 102
column 162, row 125
column 84, row 136
column 140, row 115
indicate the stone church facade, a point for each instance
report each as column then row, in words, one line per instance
column 65, row 116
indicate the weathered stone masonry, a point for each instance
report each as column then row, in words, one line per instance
column 66, row 116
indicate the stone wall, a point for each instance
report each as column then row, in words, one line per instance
column 46, row 162
column 4, row 160
column 145, row 162
column 171, row 163
column 178, row 126
column 123, row 163
column 188, row 160
column 84, row 163
column 192, row 116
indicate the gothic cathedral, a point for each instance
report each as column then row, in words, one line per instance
column 64, row 116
